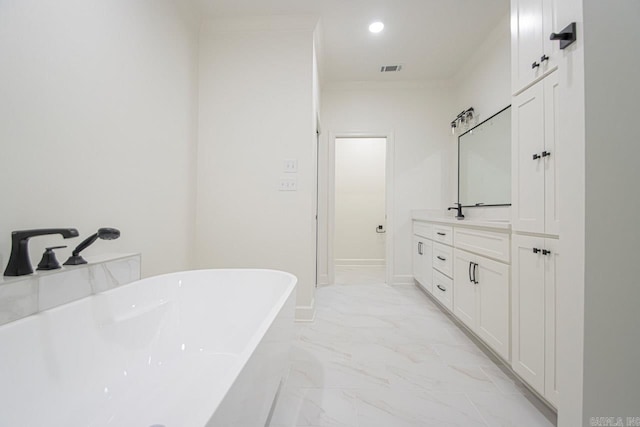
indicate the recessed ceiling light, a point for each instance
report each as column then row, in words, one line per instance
column 376, row 27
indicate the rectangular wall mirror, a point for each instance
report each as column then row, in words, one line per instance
column 484, row 162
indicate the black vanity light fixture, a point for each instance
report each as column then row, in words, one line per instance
column 462, row 120
column 103, row 233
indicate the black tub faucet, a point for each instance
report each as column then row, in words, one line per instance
column 458, row 208
column 19, row 263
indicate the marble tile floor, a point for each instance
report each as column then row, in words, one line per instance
column 381, row 356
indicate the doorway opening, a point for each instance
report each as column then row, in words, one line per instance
column 359, row 211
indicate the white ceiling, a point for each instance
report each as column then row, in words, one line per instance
column 430, row 38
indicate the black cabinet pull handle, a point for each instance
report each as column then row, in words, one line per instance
column 546, row 252
column 420, row 248
column 470, row 266
column 536, row 251
column 536, row 156
column 535, row 65
column 544, row 58
column 475, row 278
column 441, row 259
column 546, row 154
column 441, row 234
column 441, row 288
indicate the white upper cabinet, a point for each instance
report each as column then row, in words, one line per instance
column 534, row 159
column 533, row 54
column 527, row 199
column 551, row 163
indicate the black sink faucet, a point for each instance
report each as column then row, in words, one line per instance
column 457, row 207
column 19, row 263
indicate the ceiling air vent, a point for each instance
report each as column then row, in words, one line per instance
column 390, row 68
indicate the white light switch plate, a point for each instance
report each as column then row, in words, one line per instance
column 290, row 166
column 288, row 184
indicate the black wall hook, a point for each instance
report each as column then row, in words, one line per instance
column 567, row 36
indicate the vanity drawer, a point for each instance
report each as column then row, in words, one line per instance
column 443, row 258
column 443, row 289
column 422, row 229
column 487, row 243
column 442, row 234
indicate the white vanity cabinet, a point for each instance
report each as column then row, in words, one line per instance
column 471, row 276
column 534, row 159
column 533, row 54
column 534, row 312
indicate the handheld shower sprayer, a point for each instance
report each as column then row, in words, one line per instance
column 103, row 233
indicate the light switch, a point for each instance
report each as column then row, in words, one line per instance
column 288, row 184
column 290, row 166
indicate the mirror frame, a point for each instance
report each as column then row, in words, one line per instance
column 478, row 205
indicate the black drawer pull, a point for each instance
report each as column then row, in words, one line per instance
column 544, row 58
column 546, row 252
column 420, row 248
column 441, row 259
column 441, row 288
column 475, row 277
column 441, row 234
column 535, row 65
column 546, row 154
column 536, row 156
column 536, row 251
column 470, row 266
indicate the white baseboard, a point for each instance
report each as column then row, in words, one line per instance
column 306, row 313
column 323, row 279
column 402, row 279
column 359, row 262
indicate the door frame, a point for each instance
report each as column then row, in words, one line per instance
column 389, row 198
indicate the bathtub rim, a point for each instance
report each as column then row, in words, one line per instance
column 219, row 393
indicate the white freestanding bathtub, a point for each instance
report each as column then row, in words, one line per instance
column 198, row 348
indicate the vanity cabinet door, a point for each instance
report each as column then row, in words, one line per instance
column 551, row 184
column 528, row 185
column 534, row 192
column 493, row 326
column 416, row 254
column 422, row 259
column 551, row 303
column 527, row 44
column 528, row 311
column 533, row 54
column 464, row 288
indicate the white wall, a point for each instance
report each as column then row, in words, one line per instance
column 256, row 110
column 484, row 80
column 571, row 271
column 417, row 116
column 97, row 125
column 612, row 203
column 484, row 83
column 359, row 201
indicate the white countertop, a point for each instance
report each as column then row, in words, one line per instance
column 497, row 224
